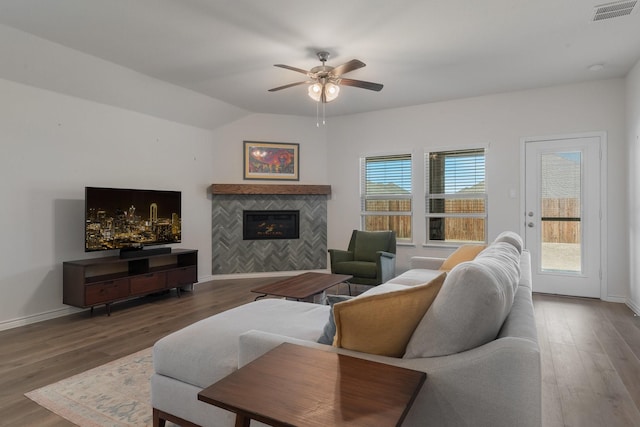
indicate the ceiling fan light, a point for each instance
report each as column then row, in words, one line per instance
column 331, row 91
column 315, row 90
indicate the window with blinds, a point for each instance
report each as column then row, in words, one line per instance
column 456, row 199
column 386, row 194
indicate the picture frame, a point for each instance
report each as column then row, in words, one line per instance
column 271, row 160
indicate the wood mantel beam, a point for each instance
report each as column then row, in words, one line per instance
column 265, row 189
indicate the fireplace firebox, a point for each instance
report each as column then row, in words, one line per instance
column 271, row 224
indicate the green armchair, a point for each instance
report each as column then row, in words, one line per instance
column 370, row 258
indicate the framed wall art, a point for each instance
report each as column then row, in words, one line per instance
column 271, row 160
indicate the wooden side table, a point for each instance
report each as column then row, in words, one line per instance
column 293, row 385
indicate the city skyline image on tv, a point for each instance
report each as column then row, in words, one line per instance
column 117, row 218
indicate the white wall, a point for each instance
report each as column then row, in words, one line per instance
column 52, row 146
column 228, row 155
column 499, row 121
column 633, row 160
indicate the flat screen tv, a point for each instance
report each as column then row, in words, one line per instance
column 129, row 219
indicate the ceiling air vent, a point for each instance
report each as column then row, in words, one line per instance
column 613, row 10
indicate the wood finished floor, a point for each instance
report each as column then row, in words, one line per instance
column 590, row 352
column 590, row 362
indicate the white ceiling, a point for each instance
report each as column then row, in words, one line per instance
column 421, row 50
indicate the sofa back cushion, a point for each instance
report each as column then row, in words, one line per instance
column 472, row 305
column 512, row 238
column 382, row 323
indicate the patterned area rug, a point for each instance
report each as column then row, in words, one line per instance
column 116, row 394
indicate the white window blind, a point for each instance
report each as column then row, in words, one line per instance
column 456, row 198
column 386, row 194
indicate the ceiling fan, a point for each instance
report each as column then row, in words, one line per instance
column 325, row 80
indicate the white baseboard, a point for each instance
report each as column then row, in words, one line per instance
column 633, row 306
column 610, row 298
column 35, row 318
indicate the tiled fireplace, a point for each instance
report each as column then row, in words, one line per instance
column 273, row 246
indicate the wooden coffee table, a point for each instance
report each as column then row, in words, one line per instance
column 293, row 385
column 303, row 286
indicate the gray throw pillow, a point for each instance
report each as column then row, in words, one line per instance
column 330, row 328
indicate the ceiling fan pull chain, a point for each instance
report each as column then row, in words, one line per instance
column 324, row 122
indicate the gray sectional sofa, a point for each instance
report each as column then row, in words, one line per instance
column 477, row 343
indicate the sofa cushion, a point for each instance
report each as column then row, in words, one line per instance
column 472, row 305
column 206, row 351
column 382, row 323
column 330, row 327
column 512, row 238
column 388, row 287
column 413, row 277
column 462, row 254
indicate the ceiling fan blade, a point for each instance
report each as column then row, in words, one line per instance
column 288, row 67
column 354, row 64
column 287, row 86
column 361, row 84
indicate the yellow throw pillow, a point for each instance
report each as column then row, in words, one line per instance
column 462, row 254
column 383, row 323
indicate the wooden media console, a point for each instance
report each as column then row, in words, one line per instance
column 97, row 281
